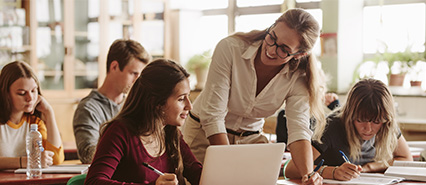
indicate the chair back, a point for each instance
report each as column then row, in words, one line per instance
column 77, row 180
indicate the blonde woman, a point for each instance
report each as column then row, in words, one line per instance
column 365, row 130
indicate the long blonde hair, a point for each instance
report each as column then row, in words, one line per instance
column 371, row 100
column 308, row 29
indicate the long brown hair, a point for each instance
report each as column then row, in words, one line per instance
column 9, row 74
column 308, row 29
column 142, row 110
column 371, row 100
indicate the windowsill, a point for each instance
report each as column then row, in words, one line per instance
column 412, row 91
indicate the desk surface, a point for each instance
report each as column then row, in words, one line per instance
column 13, row 178
column 298, row 181
column 9, row 177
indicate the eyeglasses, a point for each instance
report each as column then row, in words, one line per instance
column 281, row 52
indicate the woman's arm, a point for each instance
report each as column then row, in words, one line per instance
column 299, row 163
column 48, row 117
column 13, row 162
column 291, row 171
column 401, row 153
column 346, row 171
column 219, row 139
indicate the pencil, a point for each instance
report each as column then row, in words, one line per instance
column 152, row 168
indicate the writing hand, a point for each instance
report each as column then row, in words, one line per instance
column 347, row 171
column 315, row 179
column 167, row 179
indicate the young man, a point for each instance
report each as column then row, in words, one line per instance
column 125, row 61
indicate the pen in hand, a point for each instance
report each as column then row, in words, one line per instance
column 152, row 168
column 344, row 157
column 316, row 169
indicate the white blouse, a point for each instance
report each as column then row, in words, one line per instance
column 229, row 99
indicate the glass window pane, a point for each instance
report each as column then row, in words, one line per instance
column 317, row 13
column 86, row 46
column 153, row 37
column 245, row 3
column 152, row 6
column 307, row 1
column 94, row 8
column 115, row 7
column 50, row 45
column 200, row 34
column 246, row 23
column 384, row 28
column 198, row 4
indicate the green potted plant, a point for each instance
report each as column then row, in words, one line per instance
column 198, row 65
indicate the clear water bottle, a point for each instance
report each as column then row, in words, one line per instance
column 34, row 149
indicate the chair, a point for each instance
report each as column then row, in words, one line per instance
column 77, row 180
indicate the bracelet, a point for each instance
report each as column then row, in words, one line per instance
column 20, row 162
column 334, row 169
column 322, row 169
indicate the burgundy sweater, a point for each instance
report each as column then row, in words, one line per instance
column 120, row 154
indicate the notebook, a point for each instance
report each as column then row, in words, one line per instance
column 77, row 169
column 410, row 170
column 248, row 164
column 367, row 178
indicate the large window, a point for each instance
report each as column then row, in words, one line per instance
column 394, row 38
column 394, row 27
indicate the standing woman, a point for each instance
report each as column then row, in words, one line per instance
column 251, row 76
column 145, row 131
column 22, row 104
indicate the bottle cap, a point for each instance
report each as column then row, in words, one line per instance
column 33, row 126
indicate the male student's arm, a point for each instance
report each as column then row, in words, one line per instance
column 401, row 153
column 86, row 132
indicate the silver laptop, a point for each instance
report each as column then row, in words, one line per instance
column 246, row 164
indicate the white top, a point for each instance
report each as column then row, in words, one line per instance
column 229, row 96
column 11, row 142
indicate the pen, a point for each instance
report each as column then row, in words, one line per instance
column 316, row 169
column 152, row 168
column 344, row 157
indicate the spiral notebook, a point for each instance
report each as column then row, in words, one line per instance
column 248, row 164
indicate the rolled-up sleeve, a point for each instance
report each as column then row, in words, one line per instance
column 298, row 112
column 215, row 99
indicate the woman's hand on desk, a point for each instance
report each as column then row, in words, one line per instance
column 167, row 179
column 347, row 171
column 315, row 179
column 47, row 158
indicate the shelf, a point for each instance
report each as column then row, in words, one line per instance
column 86, row 73
column 51, row 73
column 21, row 49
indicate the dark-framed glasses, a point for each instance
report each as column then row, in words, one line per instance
column 279, row 49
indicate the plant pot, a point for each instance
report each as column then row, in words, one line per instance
column 396, row 79
column 201, row 75
column 415, row 83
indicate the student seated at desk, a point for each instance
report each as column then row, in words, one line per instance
column 145, row 130
column 125, row 61
column 22, row 104
column 364, row 128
